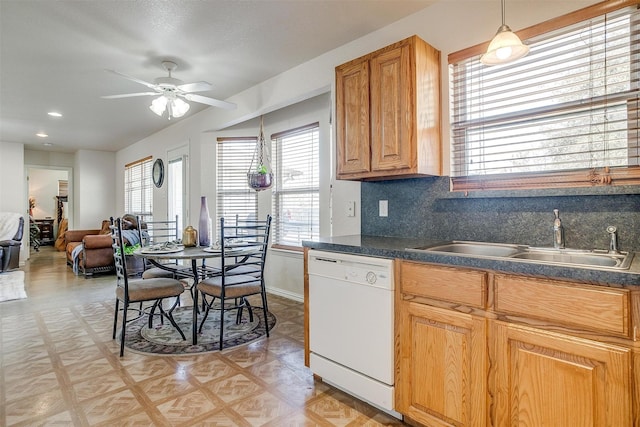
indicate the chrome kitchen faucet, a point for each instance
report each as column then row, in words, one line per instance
column 558, row 231
column 613, row 242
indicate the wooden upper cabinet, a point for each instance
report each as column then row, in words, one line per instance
column 388, row 113
column 352, row 98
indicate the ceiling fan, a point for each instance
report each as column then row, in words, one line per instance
column 170, row 93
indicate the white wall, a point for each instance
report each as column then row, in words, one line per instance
column 93, row 188
column 13, row 196
column 447, row 25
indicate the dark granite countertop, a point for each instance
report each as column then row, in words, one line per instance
column 395, row 247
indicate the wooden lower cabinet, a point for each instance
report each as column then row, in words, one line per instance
column 444, row 356
column 535, row 352
column 551, row 379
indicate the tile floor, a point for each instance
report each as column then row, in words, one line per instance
column 60, row 367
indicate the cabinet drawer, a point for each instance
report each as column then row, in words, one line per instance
column 592, row 307
column 468, row 287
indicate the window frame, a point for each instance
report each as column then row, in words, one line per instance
column 145, row 186
column 220, row 189
column 278, row 192
column 629, row 175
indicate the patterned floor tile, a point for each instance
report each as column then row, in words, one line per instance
column 97, row 386
column 63, row 419
column 83, row 354
column 207, row 371
column 246, row 356
column 164, row 388
column 139, row 419
column 73, row 343
column 150, row 368
column 25, row 344
column 34, row 406
column 82, row 371
column 111, row 406
column 27, row 369
column 182, row 409
column 222, row 418
column 261, row 409
column 68, row 334
column 337, row 413
column 273, row 372
column 299, row 391
column 234, row 388
column 36, row 385
column 13, row 357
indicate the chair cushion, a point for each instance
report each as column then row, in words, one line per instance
column 235, row 286
column 151, row 289
column 155, row 272
column 250, row 269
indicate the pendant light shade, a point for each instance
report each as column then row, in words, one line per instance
column 505, row 47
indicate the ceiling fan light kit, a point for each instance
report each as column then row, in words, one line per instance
column 505, row 47
column 172, row 93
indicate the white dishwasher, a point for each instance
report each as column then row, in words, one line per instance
column 351, row 324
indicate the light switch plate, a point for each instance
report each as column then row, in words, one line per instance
column 351, row 208
column 383, row 208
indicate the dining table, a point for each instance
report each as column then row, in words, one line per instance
column 160, row 254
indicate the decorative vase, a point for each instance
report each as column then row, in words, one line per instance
column 204, row 223
column 189, row 236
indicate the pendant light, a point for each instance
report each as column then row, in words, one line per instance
column 505, row 46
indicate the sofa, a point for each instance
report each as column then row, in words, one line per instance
column 10, row 242
column 89, row 251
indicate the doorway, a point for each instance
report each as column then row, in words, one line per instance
column 50, row 201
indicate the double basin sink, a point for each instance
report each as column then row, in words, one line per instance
column 565, row 257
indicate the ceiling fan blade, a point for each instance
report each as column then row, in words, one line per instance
column 129, row 95
column 195, row 87
column 133, row 79
column 210, row 101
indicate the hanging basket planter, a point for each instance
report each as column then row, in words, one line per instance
column 260, row 181
column 260, row 175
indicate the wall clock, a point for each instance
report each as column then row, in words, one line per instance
column 158, row 173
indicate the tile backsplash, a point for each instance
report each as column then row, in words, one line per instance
column 423, row 207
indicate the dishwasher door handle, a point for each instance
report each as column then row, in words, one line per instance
column 335, row 261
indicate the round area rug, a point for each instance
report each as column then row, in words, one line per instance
column 165, row 339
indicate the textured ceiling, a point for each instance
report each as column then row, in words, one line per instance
column 53, row 56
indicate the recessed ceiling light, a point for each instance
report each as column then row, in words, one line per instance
column 42, row 134
column 54, row 114
column 47, row 144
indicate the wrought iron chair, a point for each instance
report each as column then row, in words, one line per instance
column 158, row 232
column 139, row 290
column 243, row 249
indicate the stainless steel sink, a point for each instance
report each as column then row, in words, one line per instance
column 572, row 257
column 475, row 249
column 565, row 257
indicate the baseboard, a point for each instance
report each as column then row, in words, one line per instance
column 286, row 294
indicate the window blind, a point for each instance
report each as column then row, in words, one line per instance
column 296, row 191
column 138, row 188
column 570, row 105
column 234, row 197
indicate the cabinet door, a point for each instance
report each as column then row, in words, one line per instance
column 393, row 140
column 550, row 379
column 441, row 376
column 352, row 110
